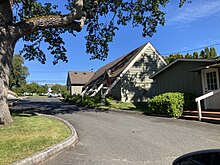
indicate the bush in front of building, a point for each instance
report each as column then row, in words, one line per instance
column 170, row 104
column 86, row 101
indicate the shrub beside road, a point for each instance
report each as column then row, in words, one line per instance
column 169, row 104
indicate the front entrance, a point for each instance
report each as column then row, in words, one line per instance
column 210, row 82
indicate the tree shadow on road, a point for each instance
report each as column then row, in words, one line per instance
column 49, row 107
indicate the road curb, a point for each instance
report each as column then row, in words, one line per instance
column 133, row 112
column 43, row 155
column 120, row 111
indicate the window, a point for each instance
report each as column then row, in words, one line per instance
column 211, row 78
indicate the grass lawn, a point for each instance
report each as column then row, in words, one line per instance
column 29, row 134
column 122, row 105
column 140, row 106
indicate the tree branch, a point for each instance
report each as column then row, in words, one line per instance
column 75, row 19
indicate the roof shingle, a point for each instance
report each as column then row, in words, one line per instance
column 80, row 78
column 114, row 68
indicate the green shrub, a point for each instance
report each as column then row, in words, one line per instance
column 91, row 101
column 87, row 101
column 168, row 103
column 95, row 99
column 66, row 95
column 75, row 99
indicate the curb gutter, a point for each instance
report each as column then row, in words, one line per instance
column 43, row 155
column 120, row 111
column 125, row 111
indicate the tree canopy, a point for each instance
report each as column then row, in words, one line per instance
column 57, row 88
column 207, row 53
column 18, row 72
column 42, row 22
column 31, row 88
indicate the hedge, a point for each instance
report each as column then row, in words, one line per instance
column 171, row 103
column 87, row 101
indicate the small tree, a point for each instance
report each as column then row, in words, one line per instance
column 202, row 54
column 32, row 87
column 173, row 57
column 188, row 56
column 42, row 89
column 18, row 72
column 207, row 53
column 213, row 53
column 195, row 55
column 57, row 88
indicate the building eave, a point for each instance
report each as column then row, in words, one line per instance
column 180, row 60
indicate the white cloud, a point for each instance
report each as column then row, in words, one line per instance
column 194, row 11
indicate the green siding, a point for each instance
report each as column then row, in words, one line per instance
column 180, row 78
column 116, row 91
column 136, row 85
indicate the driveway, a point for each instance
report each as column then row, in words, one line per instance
column 110, row 138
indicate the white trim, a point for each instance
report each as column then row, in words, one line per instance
column 198, row 100
column 83, row 92
column 204, row 83
column 91, row 89
column 157, row 53
column 205, row 96
column 97, row 90
column 132, row 63
column 112, row 85
column 199, row 110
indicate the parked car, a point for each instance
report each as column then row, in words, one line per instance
column 204, row 157
column 28, row 94
column 42, row 94
column 54, row 95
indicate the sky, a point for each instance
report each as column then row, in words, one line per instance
column 192, row 27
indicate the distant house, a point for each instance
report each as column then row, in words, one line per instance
column 127, row 78
column 76, row 80
column 196, row 76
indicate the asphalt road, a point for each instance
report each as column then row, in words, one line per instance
column 110, row 138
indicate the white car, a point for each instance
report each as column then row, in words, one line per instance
column 54, row 95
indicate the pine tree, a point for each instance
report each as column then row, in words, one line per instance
column 173, row 57
column 202, row 54
column 207, row 53
column 188, row 56
column 195, row 55
column 213, row 53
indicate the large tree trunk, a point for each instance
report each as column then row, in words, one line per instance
column 7, row 44
column 5, row 117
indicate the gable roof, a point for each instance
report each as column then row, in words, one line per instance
column 78, row 77
column 116, row 67
column 180, row 60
